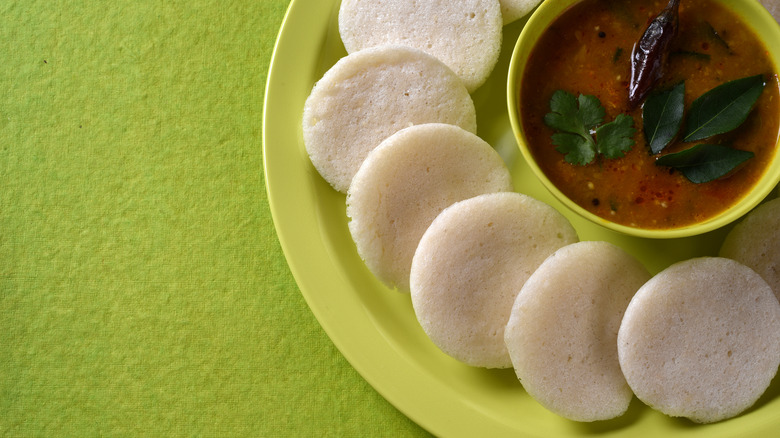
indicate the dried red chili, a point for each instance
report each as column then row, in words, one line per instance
column 650, row 53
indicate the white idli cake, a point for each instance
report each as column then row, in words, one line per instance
column 773, row 6
column 701, row 339
column 471, row 263
column 755, row 242
column 562, row 332
column 406, row 182
column 465, row 35
column 369, row 95
column 513, row 10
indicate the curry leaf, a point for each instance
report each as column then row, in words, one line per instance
column 723, row 108
column 705, row 162
column 662, row 115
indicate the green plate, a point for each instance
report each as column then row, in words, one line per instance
column 374, row 327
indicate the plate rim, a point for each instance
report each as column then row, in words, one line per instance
column 460, row 417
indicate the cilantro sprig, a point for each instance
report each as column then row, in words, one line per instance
column 577, row 119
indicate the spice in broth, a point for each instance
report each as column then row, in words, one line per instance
column 587, row 51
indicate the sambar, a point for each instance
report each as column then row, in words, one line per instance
column 587, row 51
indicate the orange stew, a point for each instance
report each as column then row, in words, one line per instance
column 587, row 51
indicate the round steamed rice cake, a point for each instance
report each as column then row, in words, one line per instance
column 406, row 182
column 465, row 35
column 562, row 332
column 701, row 339
column 369, row 95
column 512, row 10
column 471, row 263
column 773, row 6
column 755, row 242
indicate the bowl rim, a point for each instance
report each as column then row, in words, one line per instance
column 763, row 25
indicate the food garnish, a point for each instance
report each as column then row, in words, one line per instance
column 662, row 116
column 705, row 162
column 723, row 108
column 693, row 55
column 715, row 36
column 636, row 189
column 617, row 55
column 650, row 53
column 720, row 110
column 576, row 118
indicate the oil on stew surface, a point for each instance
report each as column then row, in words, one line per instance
column 587, row 50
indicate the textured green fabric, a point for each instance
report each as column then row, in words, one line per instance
column 143, row 291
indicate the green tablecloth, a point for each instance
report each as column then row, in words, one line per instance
column 143, row 291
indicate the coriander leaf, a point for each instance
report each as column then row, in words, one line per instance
column 705, row 162
column 576, row 116
column 613, row 139
column 564, row 113
column 576, row 148
column 723, row 108
column 591, row 111
column 662, row 115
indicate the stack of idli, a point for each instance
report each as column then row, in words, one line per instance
column 406, row 182
column 590, row 328
column 393, row 125
column 584, row 324
column 368, row 96
column 408, row 63
column 498, row 279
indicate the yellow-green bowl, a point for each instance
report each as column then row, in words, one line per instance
column 762, row 23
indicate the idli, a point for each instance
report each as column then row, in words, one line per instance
column 465, row 35
column 701, row 339
column 406, row 182
column 471, row 263
column 562, row 332
column 513, row 10
column 755, row 242
column 369, row 95
column 773, row 6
